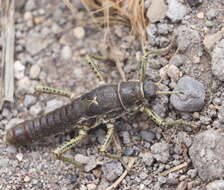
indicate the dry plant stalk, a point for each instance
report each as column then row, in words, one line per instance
column 176, row 168
column 128, row 12
column 7, row 10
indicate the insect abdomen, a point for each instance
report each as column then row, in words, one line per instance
column 51, row 123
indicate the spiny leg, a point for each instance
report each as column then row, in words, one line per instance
column 55, row 91
column 58, row 152
column 159, row 121
column 104, row 147
column 94, row 67
column 144, row 61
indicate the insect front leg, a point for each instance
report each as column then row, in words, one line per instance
column 58, row 152
column 94, row 67
column 159, row 121
column 55, row 91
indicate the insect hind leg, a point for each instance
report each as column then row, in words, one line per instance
column 58, row 152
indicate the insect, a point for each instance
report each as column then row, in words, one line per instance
column 103, row 104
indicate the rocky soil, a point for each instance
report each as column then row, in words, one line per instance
column 51, row 44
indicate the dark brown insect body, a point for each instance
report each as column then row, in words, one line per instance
column 104, row 102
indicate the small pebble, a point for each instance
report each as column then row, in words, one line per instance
column 27, row 179
column 24, row 86
column 147, row 158
column 28, row 16
column 160, row 151
column 216, row 185
column 193, row 98
column 66, row 52
column 211, row 14
column 19, row 70
column 126, row 137
column 19, row 156
column 200, row 15
column 35, row 71
column 112, row 170
column 147, row 135
column 79, row 32
column 4, row 162
column 91, row 186
column 176, row 10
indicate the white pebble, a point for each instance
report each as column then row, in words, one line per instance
column 34, row 72
column 66, row 52
column 19, row 70
column 19, row 157
column 79, row 32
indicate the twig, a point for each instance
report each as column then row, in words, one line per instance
column 176, row 168
column 7, row 10
column 118, row 181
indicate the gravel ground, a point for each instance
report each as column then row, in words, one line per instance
column 50, row 47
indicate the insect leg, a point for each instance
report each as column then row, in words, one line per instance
column 159, row 121
column 58, row 152
column 49, row 90
column 144, row 60
column 94, row 67
column 105, row 145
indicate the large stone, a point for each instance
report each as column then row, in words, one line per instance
column 207, row 153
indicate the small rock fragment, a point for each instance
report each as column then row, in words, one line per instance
column 35, row 71
column 189, row 41
column 211, row 39
column 147, row 158
column 160, row 152
column 81, row 158
column 176, row 10
column 35, row 43
column 26, row 179
column 19, row 156
column 112, row 170
column 91, row 164
column 216, row 185
column 218, row 60
column 66, row 52
column 200, row 15
column 156, row 11
column 193, row 98
column 207, row 153
column 19, row 70
column 4, row 162
column 174, row 73
column 91, row 186
column 24, row 86
column 30, row 5
column 211, row 14
column 147, row 135
column 79, row 32
column 126, row 137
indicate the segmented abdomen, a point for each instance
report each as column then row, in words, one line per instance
column 44, row 126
